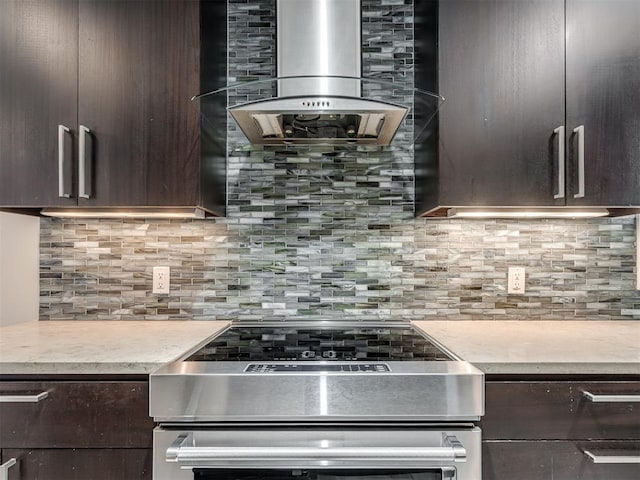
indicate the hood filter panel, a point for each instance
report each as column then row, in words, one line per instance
column 304, row 125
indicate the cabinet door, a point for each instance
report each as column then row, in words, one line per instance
column 558, row 460
column 502, row 74
column 76, row 415
column 38, row 92
column 603, row 95
column 560, row 410
column 138, row 68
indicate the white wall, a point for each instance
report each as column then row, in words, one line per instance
column 19, row 268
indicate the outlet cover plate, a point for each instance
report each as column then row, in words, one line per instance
column 516, row 280
column 161, row 280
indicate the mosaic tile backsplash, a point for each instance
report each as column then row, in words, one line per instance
column 329, row 234
column 338, row 268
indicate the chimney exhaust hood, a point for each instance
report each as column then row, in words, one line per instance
column 319, row 82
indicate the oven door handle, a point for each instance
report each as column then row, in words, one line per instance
column 185, row 451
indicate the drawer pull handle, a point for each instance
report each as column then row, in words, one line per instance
column 611, row 459
column 610, row 398
column 4, row 468
column 23, row 398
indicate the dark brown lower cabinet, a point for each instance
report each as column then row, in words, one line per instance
column 554, row 429
column 560, row 410
column 67, row 429
column 80, row 464
column 556, row 460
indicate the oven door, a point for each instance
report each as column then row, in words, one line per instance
column 317, row 453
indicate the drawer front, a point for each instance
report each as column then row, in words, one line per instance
column 556, row 460
column 79, row 464
column 75, row 415
column 561, row 411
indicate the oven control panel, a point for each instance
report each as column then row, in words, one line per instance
column 311, row 367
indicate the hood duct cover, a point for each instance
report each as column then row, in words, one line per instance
column 319, row 84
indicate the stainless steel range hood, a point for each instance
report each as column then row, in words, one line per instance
column 319, row 86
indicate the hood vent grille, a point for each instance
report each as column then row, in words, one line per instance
column 305, row 120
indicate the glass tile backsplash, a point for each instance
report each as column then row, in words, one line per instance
column 338, row 262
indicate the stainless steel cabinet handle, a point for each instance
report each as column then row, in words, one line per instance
column 83, row 191
column 178, row 452
column 61, row 157
column 560, row 133
column 24, row 398
column 580, row 132
column 4, row 468
column 595, row 458
column 610, row 398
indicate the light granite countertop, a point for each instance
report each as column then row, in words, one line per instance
column 98, row 347
column 495, row 347
column 542, row 347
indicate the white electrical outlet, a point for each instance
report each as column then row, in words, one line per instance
column 161, row 281
column 515, row 282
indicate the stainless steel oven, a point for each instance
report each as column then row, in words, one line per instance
column 318, row 402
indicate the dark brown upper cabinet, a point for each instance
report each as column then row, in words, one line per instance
column 100, row 112
column 38, row 101
column 531, row 88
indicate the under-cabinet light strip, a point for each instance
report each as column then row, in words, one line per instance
column 107, row 213
column 534, row 213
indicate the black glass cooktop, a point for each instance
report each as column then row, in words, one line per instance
column 283, row 343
